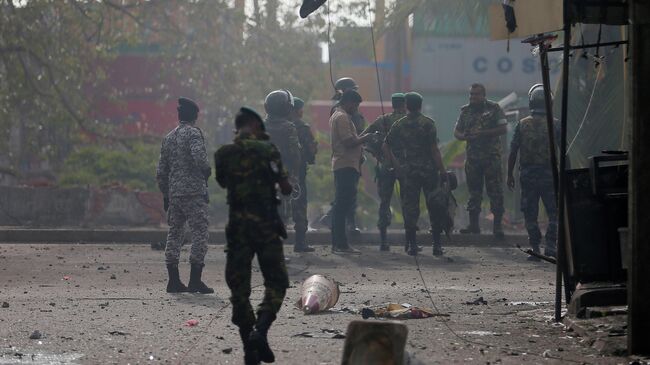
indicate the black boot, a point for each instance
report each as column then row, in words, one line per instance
column 174, row 285
column 437, row 243
column 473, row 227
column 497, row 228
column 250, row 352
column 196, row 285
column 535, row 248
column 384, row 241
column 301, row 245
column 411, row 240
column 258, row 337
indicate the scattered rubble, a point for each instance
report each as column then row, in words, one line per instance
column 477, row 301
column 324, row 333
column 36, row 335
column 399, row 311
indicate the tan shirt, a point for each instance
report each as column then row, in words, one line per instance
column 342, row 128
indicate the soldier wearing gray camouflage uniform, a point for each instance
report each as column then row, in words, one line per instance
column 531, row 142
column 182, row 174
column 278, row 105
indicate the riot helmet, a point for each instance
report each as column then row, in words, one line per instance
column 279, row 103
column 537, row 100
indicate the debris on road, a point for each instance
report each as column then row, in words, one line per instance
column 477, row 301
column 36, row 335
column 324, row 333
column 66, row 277
column 399, row 311
column 319, row 293
column 117, row 333
column 5, row 305
column 191, row 323
column 227, row 351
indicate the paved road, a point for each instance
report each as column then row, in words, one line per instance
column 102, row 304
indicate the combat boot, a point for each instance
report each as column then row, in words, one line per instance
column 258, row 337
column 250, row 352
column 437, row 243
column 384, row 241
column 174, row 285
column 301, row 245
column 497, row 228
column 473, row 227
column 411, row 239
column 196, row 285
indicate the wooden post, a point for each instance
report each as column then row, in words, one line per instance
column 639, row 198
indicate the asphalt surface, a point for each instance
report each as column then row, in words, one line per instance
column 105, row 304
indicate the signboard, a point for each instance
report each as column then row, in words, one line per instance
column 451, row 64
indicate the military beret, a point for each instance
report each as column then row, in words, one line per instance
column 298, row 103
column 188, row 104
column 413, row 96
column 397, row 96
column 250, row 112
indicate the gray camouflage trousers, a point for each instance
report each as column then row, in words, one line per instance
column 193, row 210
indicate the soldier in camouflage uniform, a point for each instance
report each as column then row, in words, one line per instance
column 385, row 177
column 278, row 105
column 530, row 140
column 182, row 174
column 412, row 147
column 309, row 147
column 481, row 123
column 250, row 168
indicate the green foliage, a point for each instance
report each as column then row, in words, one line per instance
column 94, row 165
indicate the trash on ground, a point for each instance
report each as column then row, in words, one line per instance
column 533, row 304
column 5, row 305
column 477, row 301
column 36, row 335
column 66, row 277
column 324, row 333
column 318, row 293
column 399, row 311
column 483, row 333
column 117, row 333
column 227, row 351
column 192, row 323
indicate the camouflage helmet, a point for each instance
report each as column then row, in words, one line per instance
column 278, row 103
column 537, row 99
column 345, row 83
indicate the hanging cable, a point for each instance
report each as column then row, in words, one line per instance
column 374, row 52
column 329, row 44
column 584, row 117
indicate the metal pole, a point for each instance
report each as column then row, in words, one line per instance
column 543, row 55
column 561, row 241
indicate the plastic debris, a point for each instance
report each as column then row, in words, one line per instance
column 399, row 311
column 319, row 293
column 66, row 277
column 192, row 323
column 36, row 335
column 324, row 333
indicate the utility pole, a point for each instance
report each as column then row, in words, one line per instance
column 639, row 185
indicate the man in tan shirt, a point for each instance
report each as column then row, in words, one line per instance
column 346, row 161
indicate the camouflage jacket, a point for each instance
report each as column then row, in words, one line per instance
column 249, row 168
column 530, row 140
column 308, row 144
column 473, row 119
column 284, row 136
column 183, row 167
column 382, row 125
column 411, row 139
